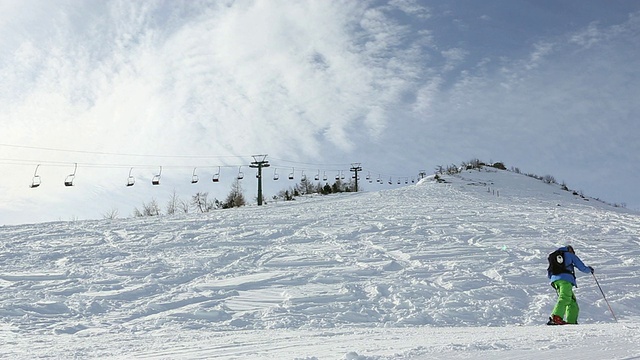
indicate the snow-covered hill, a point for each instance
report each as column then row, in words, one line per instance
column 434, row 270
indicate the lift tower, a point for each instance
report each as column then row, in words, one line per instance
column 355, row 167
column 259, row 162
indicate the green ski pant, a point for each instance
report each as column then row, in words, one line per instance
column 567, row 304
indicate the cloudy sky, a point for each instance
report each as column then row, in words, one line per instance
column 400, row 86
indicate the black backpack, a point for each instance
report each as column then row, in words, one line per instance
column 557, row 263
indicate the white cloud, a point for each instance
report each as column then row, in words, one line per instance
column 250, row 64
column 302, row 80
column 588, row 36
column 412, row 7
column 540, row 51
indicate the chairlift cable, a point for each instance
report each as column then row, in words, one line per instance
column 124, row 154
column 313, row 167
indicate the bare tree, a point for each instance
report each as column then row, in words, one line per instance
column 111, row 214
column 200, row 203
column 305, row 187
column 151, row 209
column 184, row 206
column 173, row 204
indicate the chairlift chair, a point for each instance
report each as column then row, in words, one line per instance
column 69, row 180
column 216, row 176
column 390, row 181
column 240, row 173
column 36, row 181
column 130, row 180
column 338, row 176
column 275, row 174
column 304, row 177
column 317, row 177
column 194, row 177
column 324, row 176
column 291, row 174
column 156, row 178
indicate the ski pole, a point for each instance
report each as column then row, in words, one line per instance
column 604, row 297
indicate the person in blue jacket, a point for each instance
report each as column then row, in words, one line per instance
column 567, row 306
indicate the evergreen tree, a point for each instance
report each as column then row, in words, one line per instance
column 235, row 197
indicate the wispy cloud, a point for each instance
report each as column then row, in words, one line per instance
column 319, row 80
column 231, row 72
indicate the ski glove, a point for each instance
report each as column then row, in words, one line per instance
column 590, row 268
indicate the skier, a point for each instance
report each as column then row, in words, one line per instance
column 563, row 280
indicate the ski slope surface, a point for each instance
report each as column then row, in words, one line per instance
column 453, row 270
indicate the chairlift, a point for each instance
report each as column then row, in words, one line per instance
column 194, row 177
column 413, row 180
column 379, row 179
column 324, row 176
column 390, row 181
column 317, row 177
column 156, row 178
column 69, row 180
column 291, row 174
column 341, row 175
column 369, row 176
column 130, row 180
column 338, row 176
column 216, row 176
column 240, row 173
column 398, row 181
column 275, row 174
column 304, row 177
column 36, row 181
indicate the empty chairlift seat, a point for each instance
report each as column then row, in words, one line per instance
column 156, row 178
column 216, row 176
column 36, row 181
column 69, row 179
column 130, row 180
column 194, row 177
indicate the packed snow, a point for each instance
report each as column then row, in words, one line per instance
column 436, row 270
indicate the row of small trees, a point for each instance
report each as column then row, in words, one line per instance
column 202, row 203
column 467, row 165
column 306, row 187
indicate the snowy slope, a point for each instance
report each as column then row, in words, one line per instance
column 435, row 270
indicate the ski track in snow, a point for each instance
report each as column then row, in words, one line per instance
column 419, row 272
